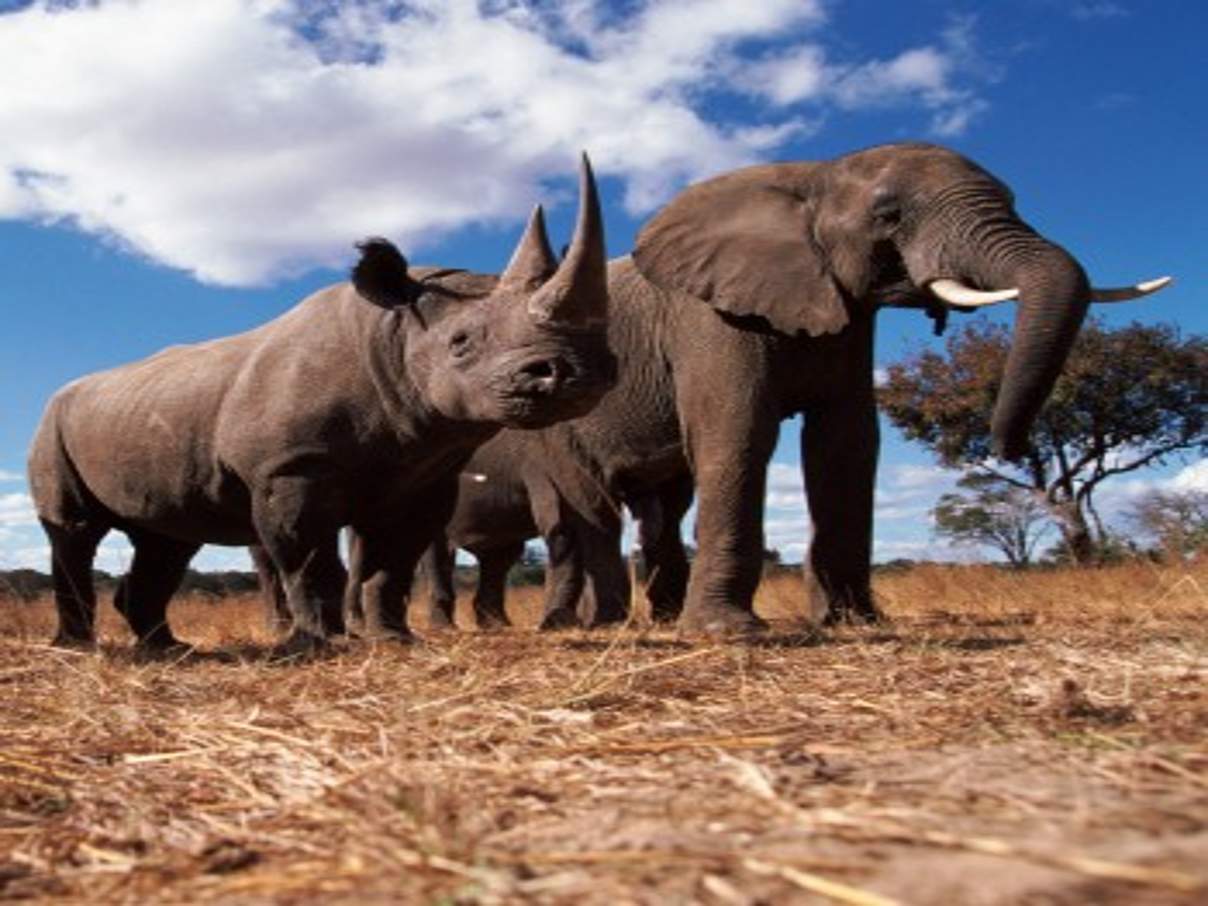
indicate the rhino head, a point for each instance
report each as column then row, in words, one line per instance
column 523, row 350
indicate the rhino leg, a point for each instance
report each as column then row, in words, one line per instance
column 387, row 566
column 277, row 618
column 663, row 548
column 297, row 518
column 607, row 590
column 563, row 578
column 441, row 600
column 493, row 566
column 142, row 596
column 72, row 553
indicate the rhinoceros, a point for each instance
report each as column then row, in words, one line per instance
column 357, row 407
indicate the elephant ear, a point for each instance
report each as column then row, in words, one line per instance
column 744, row 243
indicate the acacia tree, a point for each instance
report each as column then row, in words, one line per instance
column 1176, row 520
column 1128, row 397
column 995, row 514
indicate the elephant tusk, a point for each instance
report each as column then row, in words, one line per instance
column 1124, row 293
column 954, row 292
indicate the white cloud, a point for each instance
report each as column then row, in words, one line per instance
column 7, row 475
column 1191, row 478
column 245, row 140
column 17, row 509
column 925, row 76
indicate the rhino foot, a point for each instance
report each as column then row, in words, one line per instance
column 720, row 621
column 399, row 634
column 300, row 645
column 562, row 618
column 161, row 645
column 853, row 615
column 491, row 621
column 438, row 621
column 74, row 642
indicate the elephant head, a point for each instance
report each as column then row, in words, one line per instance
column 525, row 349
column 810, row 246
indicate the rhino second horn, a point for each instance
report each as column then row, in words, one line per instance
column 533, row 262
column 577, row 294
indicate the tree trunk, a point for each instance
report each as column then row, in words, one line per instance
column 1075, row 533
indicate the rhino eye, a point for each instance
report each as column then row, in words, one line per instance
column 459, row 343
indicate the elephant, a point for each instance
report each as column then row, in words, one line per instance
column 751, row 297
column 356, row 407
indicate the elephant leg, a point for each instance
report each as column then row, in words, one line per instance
column 142, row 596
column 438, row 564
column 663, row 550
column 839, row 447
column 729, row 456
column 277, row 618
column 72, row 551
column 493, row 567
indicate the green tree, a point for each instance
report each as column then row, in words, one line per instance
column 994, row 513
column 1128, row 398
column 1177, row 521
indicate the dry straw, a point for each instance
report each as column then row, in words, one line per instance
column 1006, row 738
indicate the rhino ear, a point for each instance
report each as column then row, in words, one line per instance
column 744, row 243
column 381, row 275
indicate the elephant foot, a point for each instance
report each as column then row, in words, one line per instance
column 720, row 621
column 300, row 645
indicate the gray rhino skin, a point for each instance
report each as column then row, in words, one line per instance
column 752, row 297
column 357, row 407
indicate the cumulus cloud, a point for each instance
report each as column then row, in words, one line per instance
column 924, row 76
column 17, row 509
column 247, row 140
column 9, row 475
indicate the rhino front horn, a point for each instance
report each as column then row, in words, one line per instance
column 577, row 293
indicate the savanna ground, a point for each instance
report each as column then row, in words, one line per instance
column 1008, row 738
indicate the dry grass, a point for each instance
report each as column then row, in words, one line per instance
column 1007, row 739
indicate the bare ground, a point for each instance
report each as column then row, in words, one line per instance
column 1038, row 739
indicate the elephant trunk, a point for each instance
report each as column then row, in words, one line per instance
column 1054, row 295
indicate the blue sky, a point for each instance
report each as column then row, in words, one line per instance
column 172, row 171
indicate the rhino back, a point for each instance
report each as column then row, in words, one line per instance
column 176, row 441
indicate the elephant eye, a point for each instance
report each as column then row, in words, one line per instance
column 886, row 207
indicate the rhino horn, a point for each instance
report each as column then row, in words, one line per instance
column 577, row 294
column 533, row 261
